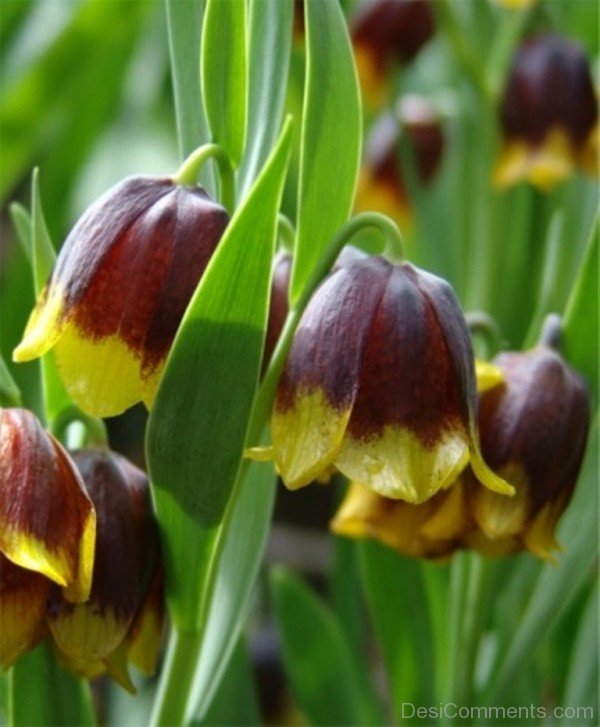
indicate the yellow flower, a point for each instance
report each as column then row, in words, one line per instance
column 119, row 289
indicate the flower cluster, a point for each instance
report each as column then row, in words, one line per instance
column 78, row 554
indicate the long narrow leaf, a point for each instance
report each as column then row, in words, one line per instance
column 198, row 423
column 270, row 41
column 224, row 74
column 331, row 137
column 316, row 655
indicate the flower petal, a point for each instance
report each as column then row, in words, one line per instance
column 23, row 595
column 47, row 521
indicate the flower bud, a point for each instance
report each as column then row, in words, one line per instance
column 384, row 31
column 548, row 114
column 119, row 289
column 533, row 432
column 379, row 382
column 47, row 520
column 126, row 555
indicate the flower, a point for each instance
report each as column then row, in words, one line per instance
column 381, row 185
column 119, row 289
column 533, row 426
column 384, row 31
column 122, row 608
column 47, row 530
column 548, row 114
column 379, row 383
column 533, row 432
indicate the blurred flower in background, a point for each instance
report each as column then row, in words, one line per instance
column 382, row 185
column 384, row 34
column 548, row 114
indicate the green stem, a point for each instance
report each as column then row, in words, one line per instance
column 187, row 174
column 96, row 434
column 286, row 234
column 485, row 332
column 10, row 394
column 171, row 700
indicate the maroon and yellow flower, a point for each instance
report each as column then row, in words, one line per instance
column 381, row 185
column 385, row 32
column 119, row 289
column 549, row 115
column 47, row 530
column 379, row 383
column 533, row 432
column 122, row 610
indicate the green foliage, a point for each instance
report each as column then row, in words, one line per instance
column 218, row 347
column 330, row 151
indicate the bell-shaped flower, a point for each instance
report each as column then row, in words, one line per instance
column 95, row 635
column 47, row 520
column 533, row 432
column 381, row 185
column 379, row 383
column 119, row 289
column 549, row 114
column 385, row 32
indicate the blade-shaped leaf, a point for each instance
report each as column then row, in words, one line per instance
column 224, row 74
column 244, row 538
column 269, row 58
column 184, row 24
column 580, row 334
column 41, row 692
column 316, row 656
column 198, row 423
column 330, row 139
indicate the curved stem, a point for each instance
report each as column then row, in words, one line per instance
column 484, row 327
column 286, row 234
column 187, row 173
column 96, row 434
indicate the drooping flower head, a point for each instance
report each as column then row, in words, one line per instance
column 119, row 289
column 47, row 530
column 533, row 432
column 379, row 383
column 94, row 636
column 385, row 32
column 549, row 114
column 381, row 185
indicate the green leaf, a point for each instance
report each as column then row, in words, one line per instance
column 184, row 24
column 9, row 391
column 42, row 693
column 316, row 656
column 55, row 397
column 330, row 139
column 399, row 611
column 21, row 220
column 243, row 540
column 582, row 677
column 580, row 334
column 269, row 58
column 555, row 586
column 198, row 423
column 224, row 74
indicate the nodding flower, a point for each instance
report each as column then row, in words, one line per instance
column 119, row 289
column 379, row 383
column 47, row 530
column 384, row 33
column 548, row 114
